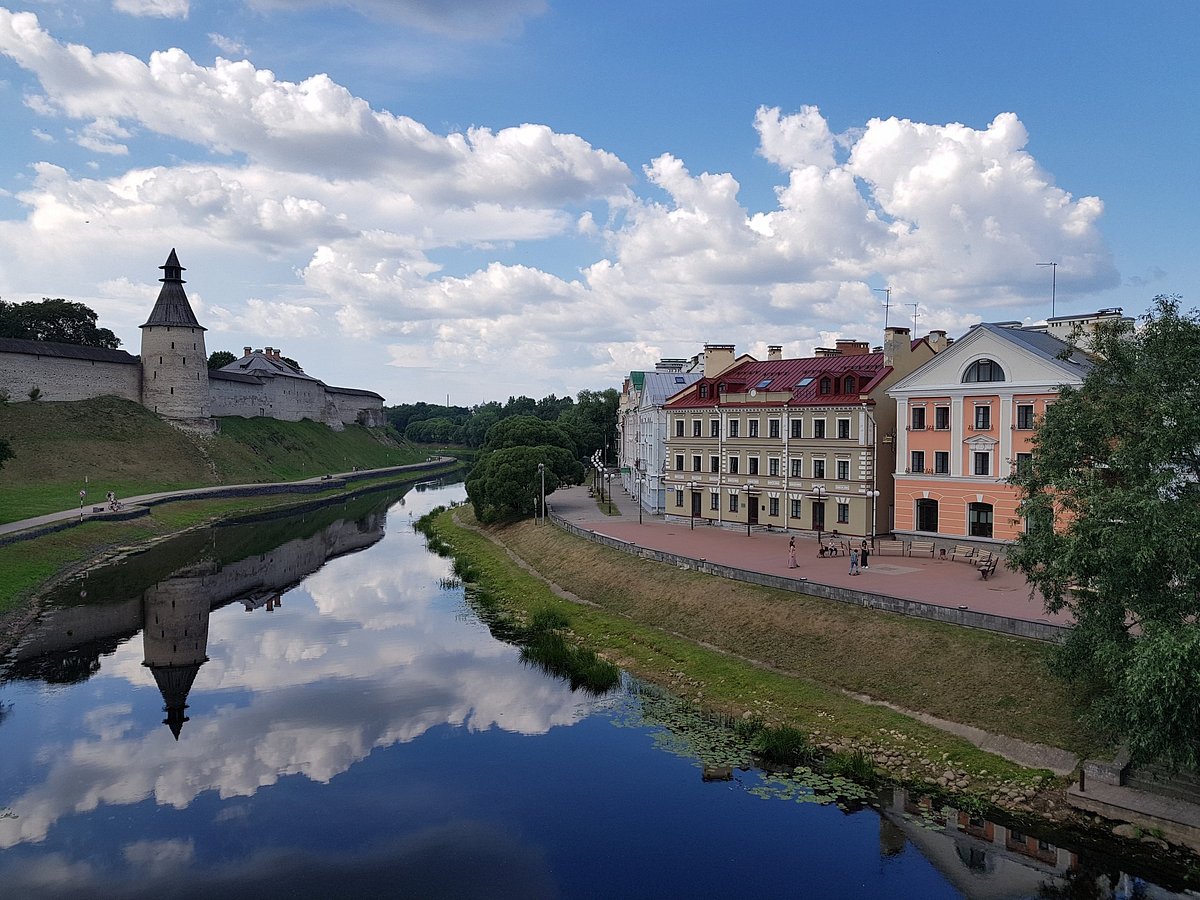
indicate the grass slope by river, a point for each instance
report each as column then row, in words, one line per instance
column 121, row 446
column 790, row 658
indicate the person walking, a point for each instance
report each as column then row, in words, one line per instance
column 866, row 551
column 853, row 562
column 792, row 553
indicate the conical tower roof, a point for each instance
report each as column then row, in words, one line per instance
column 174, row 683
column 172, row 307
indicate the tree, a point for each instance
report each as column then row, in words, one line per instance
column 58, row 320
column 506, row 483
column 220, row 358
column 528, row 431
column 6, row 452
column 1112, row 498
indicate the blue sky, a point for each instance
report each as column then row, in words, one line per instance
column 497, row 197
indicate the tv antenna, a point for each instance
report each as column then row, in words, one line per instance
column 1053, row 283
column 887, row 302
column 916, row 315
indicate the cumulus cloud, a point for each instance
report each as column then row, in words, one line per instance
column 228, row 45
column 158, row 9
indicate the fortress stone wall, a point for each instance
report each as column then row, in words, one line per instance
column 171, row 376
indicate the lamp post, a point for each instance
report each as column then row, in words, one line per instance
column 641, row 479
column 874, row 495
column 542, row 475
column 608, row 478
column 746, row 488
column 691, row 486
column 819, row 494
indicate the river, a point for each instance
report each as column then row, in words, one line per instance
column 311, row 707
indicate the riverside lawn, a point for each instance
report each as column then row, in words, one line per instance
column 789, row 659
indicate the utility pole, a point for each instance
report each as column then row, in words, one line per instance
column 887, row 303
column 1053, row 283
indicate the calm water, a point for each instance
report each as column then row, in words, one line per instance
column 309, row 707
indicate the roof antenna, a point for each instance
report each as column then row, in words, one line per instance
column 916, row 315
column 1053, row 283
column 887, row 302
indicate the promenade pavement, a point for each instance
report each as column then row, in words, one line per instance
column 933, row 581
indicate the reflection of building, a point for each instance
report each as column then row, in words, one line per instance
column 173, row 612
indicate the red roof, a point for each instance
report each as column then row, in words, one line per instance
column 787, row 375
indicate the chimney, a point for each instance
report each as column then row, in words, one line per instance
column 896, row 345
column 852, row 348
column 267, row 352
column 825, row 351
column 937, row 340
column 717, row 358
column 774, row 353
column 275, row 353
column 246, row 351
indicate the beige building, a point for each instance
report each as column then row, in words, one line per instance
column 797, row 444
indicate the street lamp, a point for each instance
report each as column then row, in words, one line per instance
column 819, row 494
column 542, row 475
column 608, row 478
column 691, row 486
column 746, row 488
column 641, row 479
column 874, row 495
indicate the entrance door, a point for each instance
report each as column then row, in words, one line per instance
column 752, row 509
column 818, row 515
column 696, row 495
column 927, row 515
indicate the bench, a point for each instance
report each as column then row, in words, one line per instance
column 915, row 547
column 896, row 547
column 963, row 553
column 987, row 565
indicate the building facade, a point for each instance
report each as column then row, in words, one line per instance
column 967, row 420
column 792, row 444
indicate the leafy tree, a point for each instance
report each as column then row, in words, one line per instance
column 528, row 431
column 1116, row 469
column 506, row 484
column 58, row 320
column 218, row 359
column 593, row 421
column 6, row 452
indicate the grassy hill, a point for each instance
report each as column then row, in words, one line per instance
column 111, row 444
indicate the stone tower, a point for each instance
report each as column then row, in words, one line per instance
column 174, row 361
column 175, row 637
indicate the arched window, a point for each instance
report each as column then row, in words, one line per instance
column 979, row 520
column 849, row 385
column 826, row 386
column 927, row 515
column 983, row 370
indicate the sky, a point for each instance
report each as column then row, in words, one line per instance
column 479, row 199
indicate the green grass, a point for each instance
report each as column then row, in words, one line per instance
column 111, row 444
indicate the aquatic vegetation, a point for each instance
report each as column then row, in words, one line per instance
column 784, row 744
column 857, row 766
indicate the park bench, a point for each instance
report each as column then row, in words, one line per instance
column 987, row 564
column 896, row 547
column 915, row 547
column 963, row 553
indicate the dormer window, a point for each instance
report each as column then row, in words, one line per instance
column 850, row 385
column 826, row 386
column 721, row 388
column 704, row 392
column 983, row 370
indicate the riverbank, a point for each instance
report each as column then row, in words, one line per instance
column 31, row 567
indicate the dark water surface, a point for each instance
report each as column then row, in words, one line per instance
column 309, row 707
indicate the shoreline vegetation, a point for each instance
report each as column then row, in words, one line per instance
column 791, row 663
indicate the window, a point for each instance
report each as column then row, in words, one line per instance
column 941, row 463
column 843, row 429
column 773, row 466
column 983, row 370
column 679, row 427
column 843, row 512
column 1025, row 416
column 797, row 428
column 818, row 428
column 714, row 502
column 918, row 418
column 979, row 520
column 983, row 418
column 927, row 515
column 983, row 463
column 733, row 428
column 1024, row 463
column 733, row 465
column 818, row 468
column 678, row 462
column 773, row 507
column 773, row 428
column 850, row 385
column 695, row 462
column 916, row 463
column 752, row 428
column 797, row 468
column 826, row 386
column 714, row 428
column 697, row 428
column 714, row 464
column 704, row 392
column 797, row 508
column 941, row 418
column 733, row 503
column 843, row 470
column 753, row 460
column 679, row 498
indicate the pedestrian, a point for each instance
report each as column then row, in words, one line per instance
column 792, row 553
column 853, row 562
column 866, row 551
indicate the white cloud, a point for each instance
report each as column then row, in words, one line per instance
column 159, row 9
column 228, row 45
column 460, row 19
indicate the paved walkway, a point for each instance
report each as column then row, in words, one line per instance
column 937, row 582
